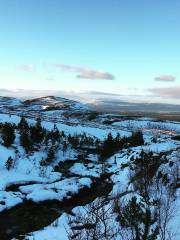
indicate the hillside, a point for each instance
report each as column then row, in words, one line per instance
column 68, row 172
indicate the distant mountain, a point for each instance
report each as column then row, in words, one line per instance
column 124, row 106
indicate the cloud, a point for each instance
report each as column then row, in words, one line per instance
column 97, row 93
column 165, row 78
column 85, row 73
column 68, row 68
column 170, row 92
column 90, row 74
column 27, row 68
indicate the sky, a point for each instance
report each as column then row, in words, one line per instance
column 128, row 49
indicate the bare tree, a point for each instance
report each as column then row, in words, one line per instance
column 93, row 222
column 153, row 179
column 165, row 194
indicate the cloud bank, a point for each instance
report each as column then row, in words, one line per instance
column 170, row 92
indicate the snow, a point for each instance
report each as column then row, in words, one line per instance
column 174, row 224
column 158, row 147
column 79, row 129
column 54, row 191
column 148, row 124
column 4, row 154
column 74, row 129
column 38, row 183
column 9, row 118
column 90, row 170
column 9, row 199
column 57, row 230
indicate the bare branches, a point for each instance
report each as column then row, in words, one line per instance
column 94, row 221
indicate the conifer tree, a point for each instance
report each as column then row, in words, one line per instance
column 8, row 134
column 137, row 139
column 25, row 141
column 23, row 125
column 9, row 163
column 37, row 132
column 50, row 155
column 55, row 134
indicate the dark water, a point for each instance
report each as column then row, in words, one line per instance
column 29, row 216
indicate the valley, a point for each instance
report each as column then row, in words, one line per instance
column 69, row 172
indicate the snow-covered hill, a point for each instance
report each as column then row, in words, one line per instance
column 54, row 103
column 80, row 158
column 48, row 107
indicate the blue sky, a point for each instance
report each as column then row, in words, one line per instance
column 125, row 47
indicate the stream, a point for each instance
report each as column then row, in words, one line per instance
column 30, row 216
